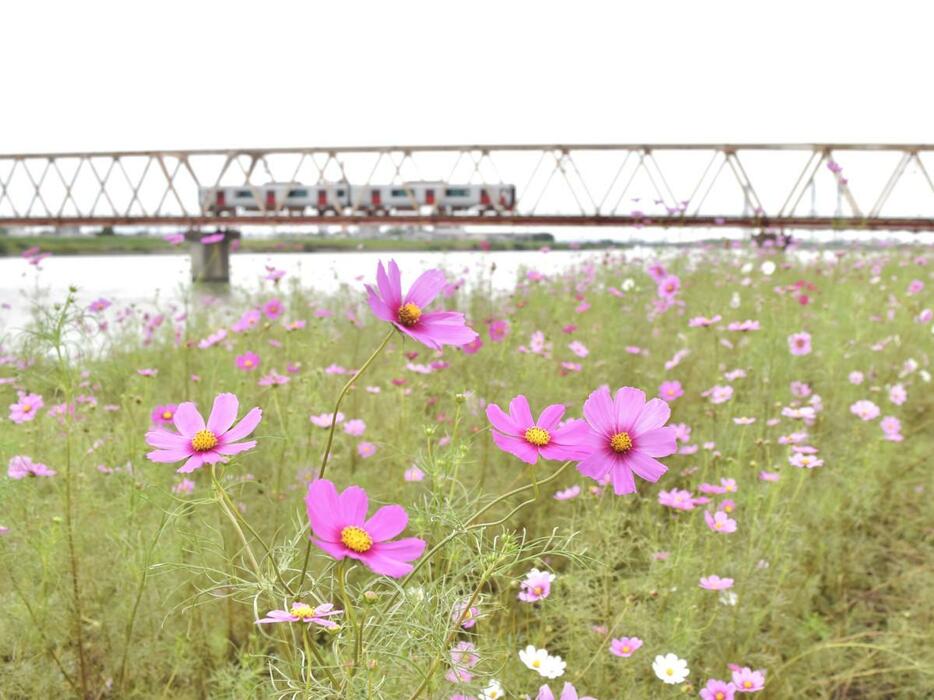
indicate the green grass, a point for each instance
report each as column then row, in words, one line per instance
column 158, row 594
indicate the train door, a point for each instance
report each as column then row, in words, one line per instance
column 322, row 199
column 270, row 200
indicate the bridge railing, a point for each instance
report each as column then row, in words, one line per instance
column 879, row 186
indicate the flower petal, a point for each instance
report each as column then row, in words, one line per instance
column 501, row 420
column 167, row 456
column 166, row 440
column 353, row 506
column 223, row 413
column 235, row 448
column 551, row 416
column 334, row 549
column 246, row 426
column 654, row 415
column 386, row 523
column 323, row 508
column 521, row 413
column 645, row 466
column 517, row 447
column 627, row 404
column 600, row 412
column 660, row 442
column 623, row 481
column 187, row 420
column 424, row 290
column 196, row 461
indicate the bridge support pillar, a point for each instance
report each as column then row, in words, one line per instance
column 210, row 254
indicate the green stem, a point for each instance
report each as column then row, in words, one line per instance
column 222, row 499
column 340, row 398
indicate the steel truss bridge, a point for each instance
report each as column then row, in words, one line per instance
column 762, row 186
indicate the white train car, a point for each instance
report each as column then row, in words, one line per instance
column 342, row 197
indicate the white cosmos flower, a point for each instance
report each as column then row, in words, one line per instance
column 543, row 663
column 735, row 301
column 728, row 598
column 768, row 267
column 670, row 668
column 494, row 691
column 628, row 284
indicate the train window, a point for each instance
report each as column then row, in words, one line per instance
column 400, row 193
column 456, row 192
column 298, row 193
column 244, row 194
column 340, row 193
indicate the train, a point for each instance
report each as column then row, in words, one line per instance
column 335, row 198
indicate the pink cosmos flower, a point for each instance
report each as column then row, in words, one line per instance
column 406, row 312
column 273, row 309
column 743, row 326
column 891, row 428
column 715, row 583
column 897, row 394
column 866, row 410
column 366, row 449
column 463, row 658
column 174, row 238
column 249, row 319
column 355, row 427
column 162, row 415
column 670, row 390
column 302, row 612
column 800, row 389
column 498, row 330
column 22, row 466
column 183, row 487
column 473, row 347
column 720, row 522
column 679, row 499
column 718, row 690
column 856, row 377
column 536, row 586
column 341, row 529
column 99, row 305
column 568, row 493
column 201, row 443
column 26, row 407
column 768, row 476
column 719, row 394
column 748, row 681
column 248, row 361
column 579, row 349
column 519, row 434
column 273, row 379
column 915, row 287
column 147, row 372
column 799, row 343
column 413, row 473
column 212, row 238
column 805, row 461
column 568, row 692
column 466, row 617
column 626, row 435
column 323, row 420
column 624, row 646
column 704, row 322
column 669, row 286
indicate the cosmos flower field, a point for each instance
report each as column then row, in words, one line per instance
column 704, row 475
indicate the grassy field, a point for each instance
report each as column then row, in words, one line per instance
column 119, row 579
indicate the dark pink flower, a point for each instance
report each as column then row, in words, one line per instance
column 248, row 361
column 519, row 434
column 200, row 443
column 162, row 415
column 407, row 314
column 341, row 529
column 626, row 435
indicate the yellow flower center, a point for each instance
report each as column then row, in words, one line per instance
column 718, row 524
column 203, row 441
column 356, row 538
column 536, row 663
column 625, row 650
column 719, row 696
column 468, row 614
column 670, row 671
column 166, row 415
column 747, row 684
column 26, row 408
column 537, row 436
column 409, row 315
column 728, row 509
column 303, row 610
column 537, row 590
column 248, row 363
column 621, row 442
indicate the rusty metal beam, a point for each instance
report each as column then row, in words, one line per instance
column 510, row 220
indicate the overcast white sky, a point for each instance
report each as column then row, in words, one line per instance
column 98, row 75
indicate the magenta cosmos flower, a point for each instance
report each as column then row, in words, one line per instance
column 626, row 435
column 718, row 690
column 624, row 646
column 407, row 312
column 568, row 692
column 720, row 522
column 248, row 361
column 670, row 390
column 536, row 586
column 26, row 407
column 22, row 466
column 799, row 343
column 201, row 443
column 302, row 612
column 163, row 415
column 519, row 434
column 748, row 681
column 341, row 529
column 715, row 583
